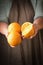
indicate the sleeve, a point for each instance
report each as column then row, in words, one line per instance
column 39, row 9
column 5, row 6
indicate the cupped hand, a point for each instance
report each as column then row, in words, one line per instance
column 35, row 30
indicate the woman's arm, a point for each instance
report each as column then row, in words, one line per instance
column 5, row 6
column 38, row 18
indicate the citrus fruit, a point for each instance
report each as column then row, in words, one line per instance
column 14, row 38
column 14, row 27
column 27, row 29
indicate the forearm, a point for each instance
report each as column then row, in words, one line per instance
column 39, row 23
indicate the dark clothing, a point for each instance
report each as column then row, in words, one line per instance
column 5, row 6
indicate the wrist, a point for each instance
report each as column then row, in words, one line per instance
column 36, row 28
column 39, row 23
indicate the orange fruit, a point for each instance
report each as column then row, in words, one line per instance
column 27, row 29
column 14, row 27
column 14, row 38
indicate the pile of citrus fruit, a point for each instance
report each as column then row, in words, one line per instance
column 16, row 32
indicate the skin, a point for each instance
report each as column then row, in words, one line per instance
column 3, row 28
column 38, row 24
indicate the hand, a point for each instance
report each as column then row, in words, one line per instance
column 38, row 25
column 3, row 28
column 35, row 29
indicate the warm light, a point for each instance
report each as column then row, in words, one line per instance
column 27, row 29
column 14, row 36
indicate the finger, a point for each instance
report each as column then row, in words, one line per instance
column 32, row 36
